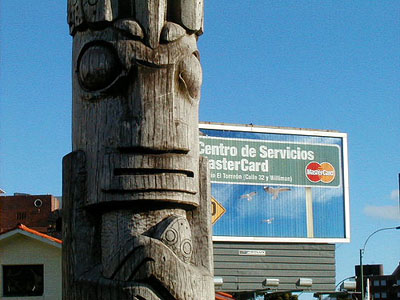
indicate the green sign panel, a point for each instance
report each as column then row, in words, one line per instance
column 261, row 162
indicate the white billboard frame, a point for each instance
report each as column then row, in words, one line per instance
column 299, row 132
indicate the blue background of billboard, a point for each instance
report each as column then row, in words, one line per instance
column 287, row 213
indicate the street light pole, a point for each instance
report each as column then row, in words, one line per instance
column 362, row 250
column 362, row 273
column 343, row 280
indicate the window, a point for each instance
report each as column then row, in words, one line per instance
column 383, row 295
column 377, row 295
column 376, row 282
column 22, row 280
column 383, row 282
column 21, row 216
column 398, row 281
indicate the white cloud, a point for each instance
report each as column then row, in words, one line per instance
column 327, row 194
column 394, row 195
column 383, row 212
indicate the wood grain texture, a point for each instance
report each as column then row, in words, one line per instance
column 136, row 193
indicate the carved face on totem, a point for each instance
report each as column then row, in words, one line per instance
column 136, row 90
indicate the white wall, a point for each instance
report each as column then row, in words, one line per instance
column 23, row 250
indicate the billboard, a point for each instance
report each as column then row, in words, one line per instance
column 276, row 184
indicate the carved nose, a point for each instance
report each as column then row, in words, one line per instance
column 151, row 15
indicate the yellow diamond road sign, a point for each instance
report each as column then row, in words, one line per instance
column 217, row 210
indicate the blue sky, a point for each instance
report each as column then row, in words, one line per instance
column 308, row 64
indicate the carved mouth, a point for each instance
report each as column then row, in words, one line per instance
column 150, row 176
column 140, row 151
column 142, row 171
column 126, row 180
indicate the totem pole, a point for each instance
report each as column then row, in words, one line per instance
column 135, row 192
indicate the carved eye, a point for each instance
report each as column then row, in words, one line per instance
column 190, row 75
column 98, row 67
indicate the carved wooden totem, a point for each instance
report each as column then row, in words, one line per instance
column 135, row 192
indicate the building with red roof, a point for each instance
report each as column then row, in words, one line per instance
column 30, row 264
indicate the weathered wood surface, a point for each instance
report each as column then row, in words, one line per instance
column 136, row 193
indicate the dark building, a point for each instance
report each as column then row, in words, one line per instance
column 39, row 212
column 381, row 286
column 244, row 266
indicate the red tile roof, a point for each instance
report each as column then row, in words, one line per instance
column 223, row 296
column 35, row 232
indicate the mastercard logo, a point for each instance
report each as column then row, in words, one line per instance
column 323, row 172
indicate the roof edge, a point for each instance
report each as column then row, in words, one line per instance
column 26, row 229
column 266, row 126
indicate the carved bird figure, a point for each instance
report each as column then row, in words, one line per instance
column 249, row 196
column 268, row 221
column 275, row 191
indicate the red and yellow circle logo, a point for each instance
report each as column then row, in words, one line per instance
column 323, row 172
